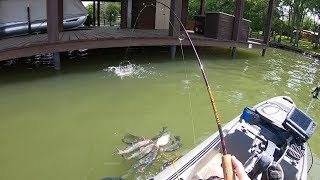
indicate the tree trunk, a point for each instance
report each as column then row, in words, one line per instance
column 314, row 38
column 318, row 40
column 281, row 27
column 289, row 32
column 292, row 28
column 296, row 42
column 281, row 31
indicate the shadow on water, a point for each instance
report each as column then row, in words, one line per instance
column 28, row 69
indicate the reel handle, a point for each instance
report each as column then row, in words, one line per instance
column 227, row 167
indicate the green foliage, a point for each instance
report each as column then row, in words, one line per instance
column 256, row 11
column 90, row 9
column 113, row 9
column 193, row 8
column 307, row 23
column 226, row 6
column 105, row 9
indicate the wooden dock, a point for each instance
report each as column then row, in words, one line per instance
column 103, row 37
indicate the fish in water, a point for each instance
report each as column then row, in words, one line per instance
column 164, row 130
column 142, row 152
column 134, row 147
column 174, row 145
column 148, row 159
column 130, row 139
column 163, row 140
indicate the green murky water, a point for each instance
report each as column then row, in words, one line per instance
column 67, row 125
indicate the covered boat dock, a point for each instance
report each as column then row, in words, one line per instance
column 57, row 40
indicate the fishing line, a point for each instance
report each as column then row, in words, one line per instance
column 134, row 26
column 212, row 100
column 181, row 38
column 189, row 94
column 226, row 158
column 183, row 57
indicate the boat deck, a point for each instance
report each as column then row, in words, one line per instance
column 103, row 37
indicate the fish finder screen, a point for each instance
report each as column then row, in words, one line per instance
column 302, row 120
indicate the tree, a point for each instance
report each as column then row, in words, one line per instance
column 256, row 11
column 113, row 9
column 193, row 8
column 90, row 9
column 315, row 9
column 301, row 7
column 290, row 26
column 105, row 9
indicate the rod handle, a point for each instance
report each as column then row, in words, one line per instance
column 227, row 167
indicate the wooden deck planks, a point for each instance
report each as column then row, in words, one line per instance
column 101, row 37
column 72, row 36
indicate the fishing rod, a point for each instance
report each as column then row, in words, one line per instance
column 226, row 158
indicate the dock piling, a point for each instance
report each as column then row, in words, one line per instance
column 264, row 52
column 234, row 52
column 173, row 50
column 56, row 61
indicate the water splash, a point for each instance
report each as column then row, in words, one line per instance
column 127, row 69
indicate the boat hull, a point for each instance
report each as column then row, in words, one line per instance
column 40, row 26
column 242, row 140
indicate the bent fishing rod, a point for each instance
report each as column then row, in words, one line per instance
column 226, row 158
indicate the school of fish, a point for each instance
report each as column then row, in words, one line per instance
column 146, row 151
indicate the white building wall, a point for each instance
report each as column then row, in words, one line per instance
column 162, row 15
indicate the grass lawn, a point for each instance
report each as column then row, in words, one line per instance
column 303, row 44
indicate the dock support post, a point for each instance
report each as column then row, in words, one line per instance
column 173, row 51
column 53, row 21
column 202, row 7
column 53, row 28
column 94, row 13
column 56, row 61
column 268, row 26
column 29, row 19
column 234, row 52
column 176, row 5
column 237, row 24
column 124, row 12
column 98, row 13
column 60, row 15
